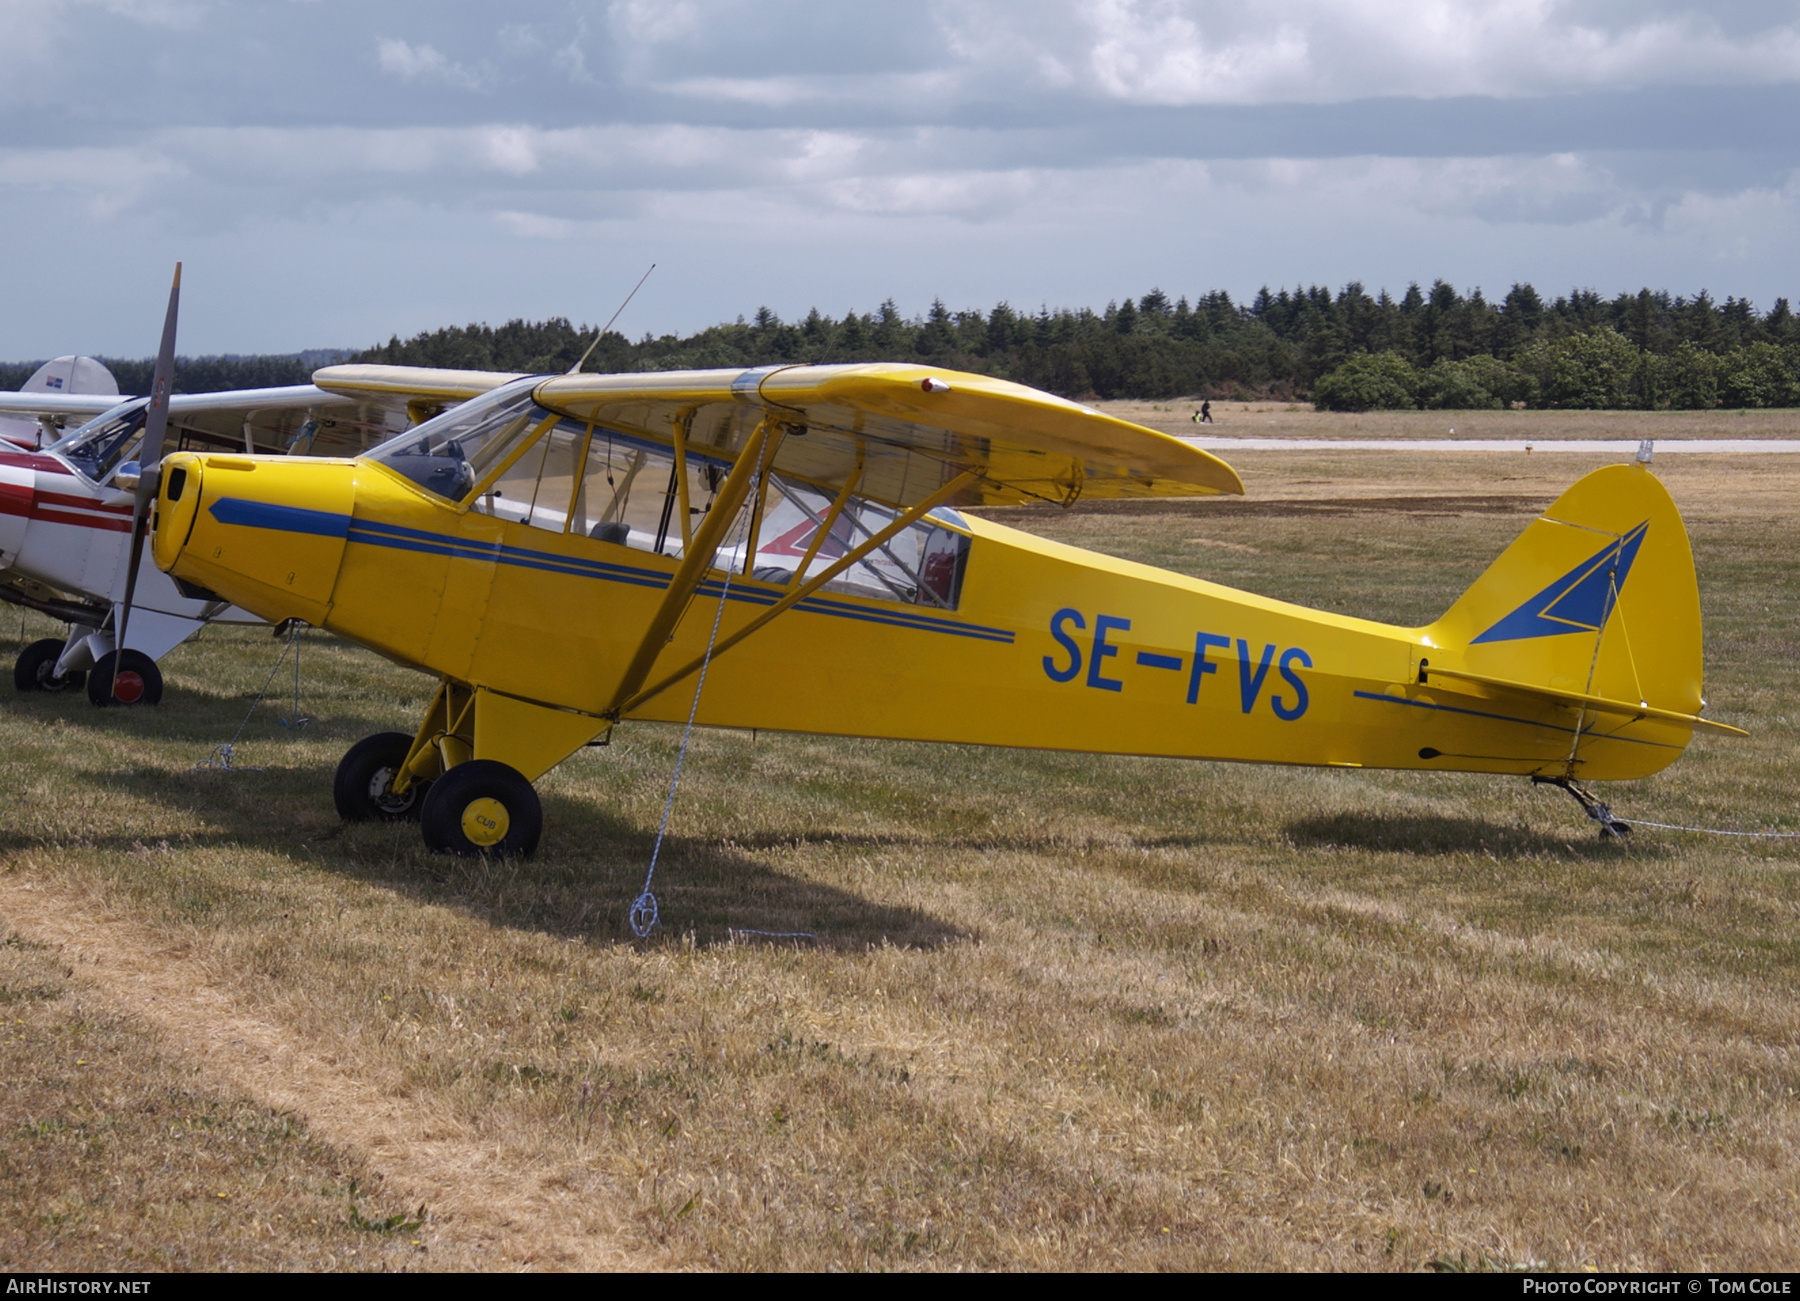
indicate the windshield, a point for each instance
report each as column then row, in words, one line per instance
column 97, row 448
column 449, row 454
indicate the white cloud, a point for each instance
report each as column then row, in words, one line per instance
column 965, row 196
column 1191, row 52
column 509, row 149
column 1068, row 149
column 39, row 37
column 530, row 225
column 656, row 22
column 423, row 63
column 949, row 172
column 1155, row 53
column 768, row 92
column 105, row 183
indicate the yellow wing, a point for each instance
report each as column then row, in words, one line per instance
column 903, row 430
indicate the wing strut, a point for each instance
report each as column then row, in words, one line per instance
column 823, row 532
column 806, row 589
column 756, row 507
column 695, row 561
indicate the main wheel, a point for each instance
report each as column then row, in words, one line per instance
column 363, row 787
column 482, row 807
column 138, row 681
column 36, row 668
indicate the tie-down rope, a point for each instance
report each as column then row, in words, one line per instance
column 220, row 758
column 644, row 915
column 1710, row 831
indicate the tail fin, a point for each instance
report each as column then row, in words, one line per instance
column 1595, row 604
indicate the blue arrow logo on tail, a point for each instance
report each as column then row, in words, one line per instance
column 1579, row 601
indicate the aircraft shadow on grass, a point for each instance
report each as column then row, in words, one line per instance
column 581, row 882
column 592, row 864
column 1430, row 834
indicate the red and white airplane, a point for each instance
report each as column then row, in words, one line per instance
column 66, row 513
column 66, row 376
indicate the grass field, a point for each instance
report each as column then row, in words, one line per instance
column 1299, row 420
column 1060, row 1011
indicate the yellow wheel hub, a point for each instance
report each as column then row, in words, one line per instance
column 484, row 822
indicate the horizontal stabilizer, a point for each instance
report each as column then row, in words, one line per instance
column 1598, row 704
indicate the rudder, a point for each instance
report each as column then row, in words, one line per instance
column 1597, row 597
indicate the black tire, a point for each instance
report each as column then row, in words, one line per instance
column 139, row 680
column 35, row 669
column 364, row 775
column 477, row 793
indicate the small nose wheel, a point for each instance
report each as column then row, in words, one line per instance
column 482, row 807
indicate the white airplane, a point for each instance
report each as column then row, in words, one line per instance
column 66, row 512
column 66, row 376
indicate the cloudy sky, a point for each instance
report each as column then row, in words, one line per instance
column 334, row 172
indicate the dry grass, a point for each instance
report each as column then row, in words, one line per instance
column 1061, row 1011
column 115, row 1157
column 1299, row 420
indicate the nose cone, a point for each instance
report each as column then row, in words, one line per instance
column 177, row 505
column 265, row 533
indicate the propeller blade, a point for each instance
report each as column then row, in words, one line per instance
column 156, row 416
column 156, row 422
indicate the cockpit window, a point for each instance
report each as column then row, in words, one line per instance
column 449, row 454
column 922, row 564
column 103, row 443
column 536, row 468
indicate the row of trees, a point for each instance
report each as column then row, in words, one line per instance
column 1598, row 370
column 1435, row 347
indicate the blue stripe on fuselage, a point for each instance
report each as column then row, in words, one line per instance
column 295, row 519
column 283, row 519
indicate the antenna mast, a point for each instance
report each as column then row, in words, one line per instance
column 615, row 316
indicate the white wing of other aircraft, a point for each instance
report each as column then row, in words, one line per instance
column 60, row 377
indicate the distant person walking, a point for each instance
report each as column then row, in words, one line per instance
column 1204, row 415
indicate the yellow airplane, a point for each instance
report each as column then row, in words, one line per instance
column 566, row 553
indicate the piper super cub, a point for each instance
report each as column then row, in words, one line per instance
column 561, row 552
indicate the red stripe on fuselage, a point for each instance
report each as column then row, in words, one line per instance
column 85, row 503
column 109, row 524
column 35, row 461
column 82, row 510
column 15, row 499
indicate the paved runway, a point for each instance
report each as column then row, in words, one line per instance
column 1588, row 446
